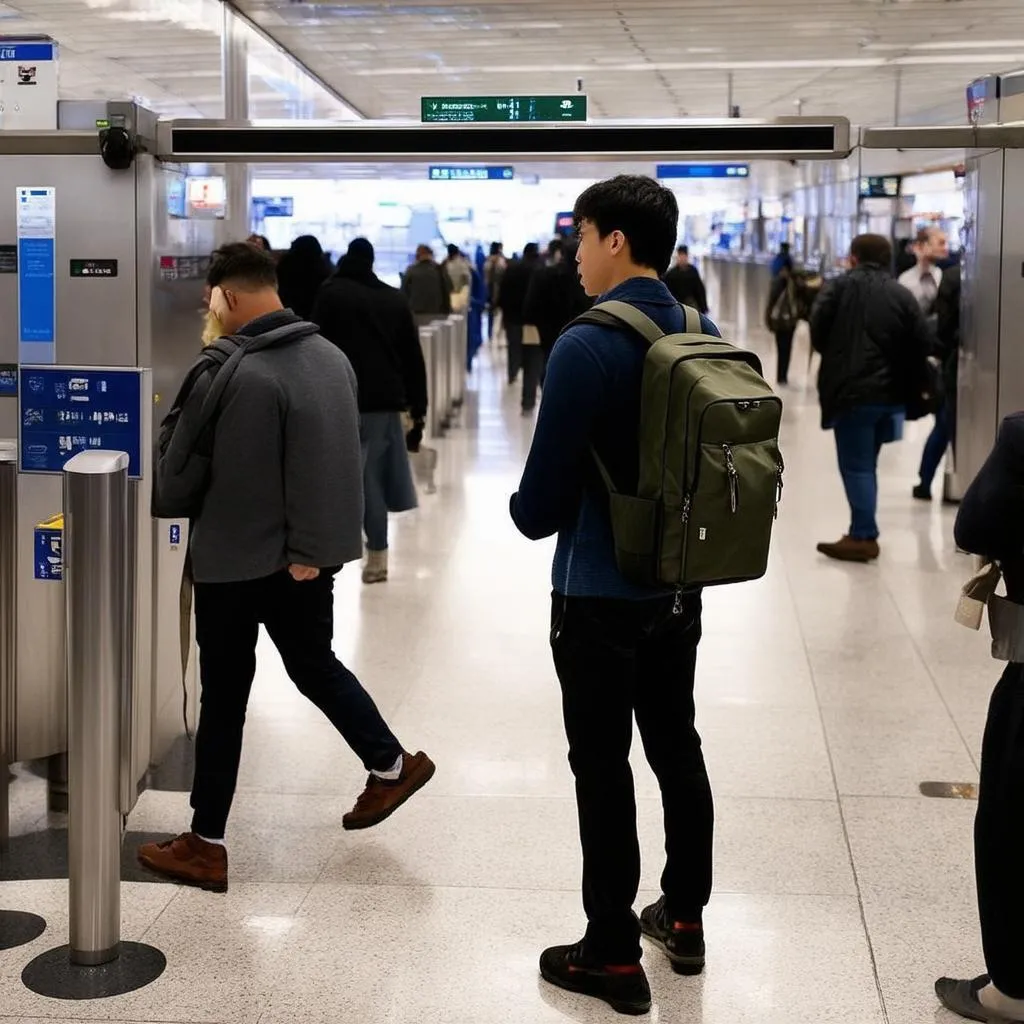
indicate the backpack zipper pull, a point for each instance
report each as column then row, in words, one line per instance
column 685, row 516
column 734, row 479
column 677, row 608
column 778, row 484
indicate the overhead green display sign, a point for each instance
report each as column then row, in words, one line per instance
column 454, row 109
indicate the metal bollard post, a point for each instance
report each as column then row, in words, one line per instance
column 16, row 926
column 95, row 963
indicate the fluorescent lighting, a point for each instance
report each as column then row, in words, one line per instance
column 953, row 44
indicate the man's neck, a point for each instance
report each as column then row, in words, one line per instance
column 262, row 309
column 925, row 266
column 631, row 273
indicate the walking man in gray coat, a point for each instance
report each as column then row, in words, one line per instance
column 265, row 448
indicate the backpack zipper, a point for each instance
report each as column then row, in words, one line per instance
column 780, row 468
column 734, row 479
column 687, row 503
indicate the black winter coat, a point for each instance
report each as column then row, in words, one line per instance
column 874, row 343
column 372, row 323
column 514, row 286
column 554, row 299
column 990, row 520
column 686, row 287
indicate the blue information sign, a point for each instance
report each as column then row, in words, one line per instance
column 174, row 534
column 64, row 411
column 703, row 170
column 49, row 556
column 272, row 206
column 37, row 280
column 8, row 380
column 27, row 51
column 470, row 173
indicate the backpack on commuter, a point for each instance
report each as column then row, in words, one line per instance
column 710, row 466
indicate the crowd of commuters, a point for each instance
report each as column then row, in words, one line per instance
column 307, row 420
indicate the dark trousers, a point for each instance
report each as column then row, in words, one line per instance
column 999, row 835
column 935, row 447
column 514, row 336
column 299, row 617
column 784, row 343
column 860, row 434
column 617, row 659
column 533, row 374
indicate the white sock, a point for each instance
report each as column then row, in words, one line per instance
column 213, row 842
column 393, row 774
column 992, row 999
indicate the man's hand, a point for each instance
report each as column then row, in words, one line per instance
column 303, row 573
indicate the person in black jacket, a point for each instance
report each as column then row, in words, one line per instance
column 300, row 272
column 781, row 317
column 874, row 344
column 947, row 327
column 372, row 323
column 511, row 300
column 991, row 523
column 684, row 282
column 555, row 298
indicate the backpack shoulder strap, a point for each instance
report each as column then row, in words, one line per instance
column 692, row 320
column 622, row 314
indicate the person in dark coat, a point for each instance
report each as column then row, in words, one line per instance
column 781, row 317
column 372, row 323
column 300, row 272
column 684, row 282
column 947, row 350
column 874, row 343
column 991, row 523
column 556, row 297
column 511, row 299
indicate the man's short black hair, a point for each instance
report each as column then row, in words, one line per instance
column 531, row 250
column 242, row 262
column 683, row 250
column 644, row 211
column 872, row 249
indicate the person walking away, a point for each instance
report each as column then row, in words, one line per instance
column 514, row 286
column 555, row 298
column 494, row 271
column 460, row 274
column 991, row 523
column 780, row 258
column 683, row 280
column 373, row 324
column 874, row 343
column 619, row 649
column 300, row 272
column 426, row 285
column 782, row 316
column 272, row 484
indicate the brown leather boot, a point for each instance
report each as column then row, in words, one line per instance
column 382, row 798
column 849, row 549
column 188, row 859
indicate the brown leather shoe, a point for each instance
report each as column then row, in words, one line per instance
column 849, row 549
column 188, row 859
column 382, row 798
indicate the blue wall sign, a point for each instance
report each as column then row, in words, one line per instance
column 703, row 170
column 49, row 553
column 468, row 173
column 64, row 411
column 27, row 51
column 37, row 280
column 8, row 380
column 272, row 206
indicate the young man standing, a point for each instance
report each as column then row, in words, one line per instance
column 619, row 649
column 281, row 510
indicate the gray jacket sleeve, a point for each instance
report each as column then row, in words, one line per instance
column 183, row 470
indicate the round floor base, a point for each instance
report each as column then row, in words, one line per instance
column 18, row 928
column 53, row 974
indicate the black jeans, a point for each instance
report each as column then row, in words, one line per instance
column 533, row 374
column 615, row 659
column 784, row 343
column 299, row 617
column 514, row 336
column 999, row 835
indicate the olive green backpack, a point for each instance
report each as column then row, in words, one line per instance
column 710, row 466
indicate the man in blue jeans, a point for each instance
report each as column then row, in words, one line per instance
column 874, row 341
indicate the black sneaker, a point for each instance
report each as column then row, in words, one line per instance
column 681, row 941
column 623, row 987
column 922, row 493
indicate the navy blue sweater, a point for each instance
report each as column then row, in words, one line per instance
column 591, row 398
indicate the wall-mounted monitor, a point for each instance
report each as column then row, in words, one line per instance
column 565, row 224
column 207, row 198
column 177, row 194
column 887, row 187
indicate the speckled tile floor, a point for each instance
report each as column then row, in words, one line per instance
column 826, row 694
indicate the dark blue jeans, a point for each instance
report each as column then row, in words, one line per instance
column 935, row 447
column 860, row 434
column 299, row 617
